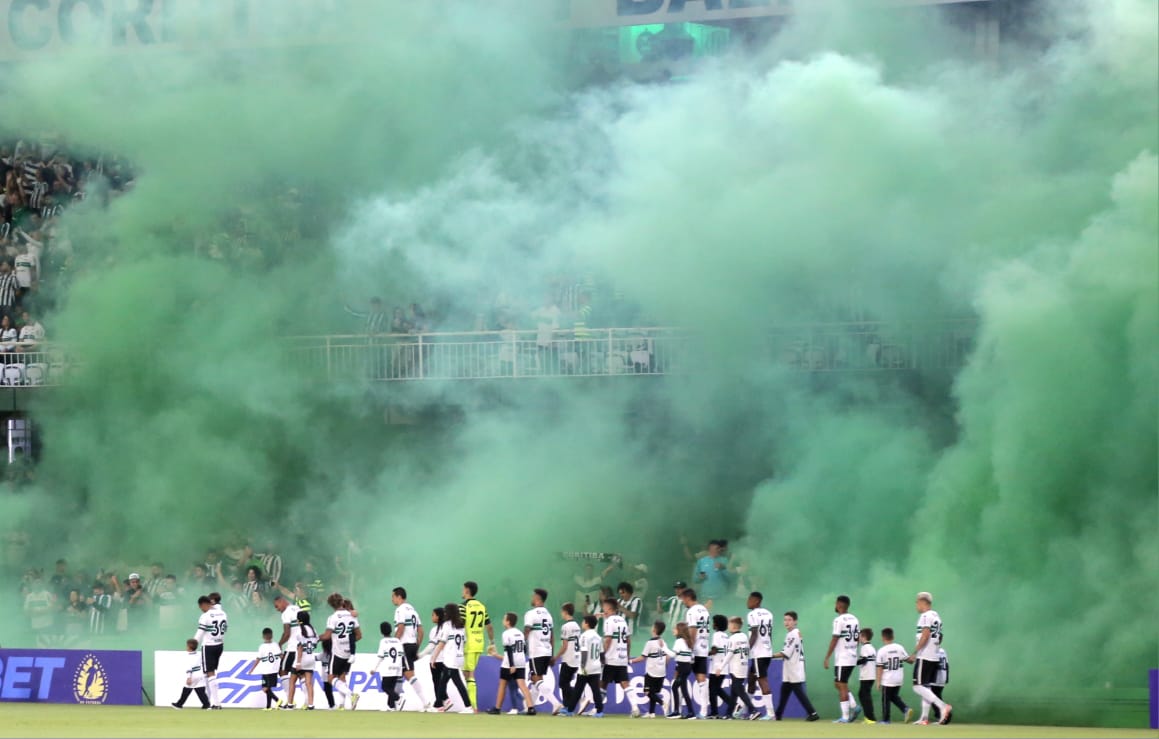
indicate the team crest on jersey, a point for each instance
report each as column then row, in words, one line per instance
column 90, row 684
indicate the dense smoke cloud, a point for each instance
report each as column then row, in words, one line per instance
column 846, row 166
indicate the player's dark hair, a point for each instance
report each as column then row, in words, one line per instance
column 590, row 621
column 626, row 587
column 267, row 632
column 215, row 598
column 202, row 601
column 454, row 615
column 843, row 600
column 615, row 604
column 867, row 633
column 400, row 592
column 720, row 622
column 191, row 644
column 568, row 608
column 334, row 600
column 688, row 593
column 757, row 596
column 511, row 618
column 101, row 585
column 439, row 615
column 472, row 587
column 542, row 595
column 348, row 604
column 384, row 627
column 886, row 633
column 683, row 632
column 791, row 614
column 658, row 627
column 303, row 622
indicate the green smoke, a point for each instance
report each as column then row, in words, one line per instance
column 852, row 164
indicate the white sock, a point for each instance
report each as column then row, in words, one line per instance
column 852, row 703
column 211, row 688
column 929, row 697
column 550, row 695
column 414, row 683
column 768, row 701
column 701, row 696
column 533, row 690
column 845, row 710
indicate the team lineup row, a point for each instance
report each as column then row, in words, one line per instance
column 707, row 651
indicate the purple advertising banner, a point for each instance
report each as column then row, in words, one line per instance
column 487, row 677
column 70, row 676
column 1155, row 699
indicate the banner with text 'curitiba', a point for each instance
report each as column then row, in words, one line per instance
column 239, row 688
column 70, row 676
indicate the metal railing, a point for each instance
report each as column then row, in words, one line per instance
column 32, row 364
column 827, row 347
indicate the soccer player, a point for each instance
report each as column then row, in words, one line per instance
column 845, row 632
column 568, row 655
column 194, row 678
column 630, row 605
column 890, row 675
column 793, row 677
column 655, row 656
column 211, row 628
column 591, row 667
column 683, row 650
column 926, row 656
column 305, row 660
column 452, row 639
column 513, row 670
column 943, row 678
column 760, row 622
column 698, row 621
column 409, row 631
column 476, row 620
column 342, row 632
column 738, row 651
column 617, row 647
column 266, row 664
column 539, row 633
column 392, row 653
column 288, row 642
column 867, row 673
column 718, row 656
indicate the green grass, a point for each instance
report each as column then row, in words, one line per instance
column 24, row 720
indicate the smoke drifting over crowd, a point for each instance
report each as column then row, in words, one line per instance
column 847, row 162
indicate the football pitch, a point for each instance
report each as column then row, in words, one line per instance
column 23, row 720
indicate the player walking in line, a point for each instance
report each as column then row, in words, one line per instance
column 288, row 641
column 617, row 647
column 684, row 660
column 409, row 631
column 392, row 653
column 342, row 632
column 655, row 656
column 305, row 660
column 477, row 621
column 591, row 668
column 890, row 658
column 266, row 664
column 698, row 622
column 845, row 634
column 539, row 633
column 867, row 673
column 568, row 655
column 194, row 678
column 211, row 628
column 943, row 678
column 926, row 656
column 718, row 655
column 438, row 623
column 760, row 622
column 793, row 677
column 738, row 662
column 450, row 649
column 513, row 670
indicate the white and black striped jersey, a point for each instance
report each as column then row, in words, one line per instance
column 9, row 289
column 616, row 628
column 194, row 674
column 932, row 621
column 269, row 657
column 847, row 629
column 891, row 658
column 656, row 654
column 514, row 649
column 699, row 622
column 761, row 619
column 391, row 656
column 541, row 631
column 569, row 632
column 98, row 613
column 629, row 607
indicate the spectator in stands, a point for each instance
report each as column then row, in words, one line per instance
column 9, row 289
column 40, row 607
column 61, row 581
column 398, row 322
column 156, row 577
column 168, row 599
column 8, row 334
column 375, row 318
column 31, row 332
column 253, row 581
column 138, row 604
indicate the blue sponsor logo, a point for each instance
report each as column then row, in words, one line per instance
column 235, row 683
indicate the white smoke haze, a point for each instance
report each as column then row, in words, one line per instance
column 851, row 170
